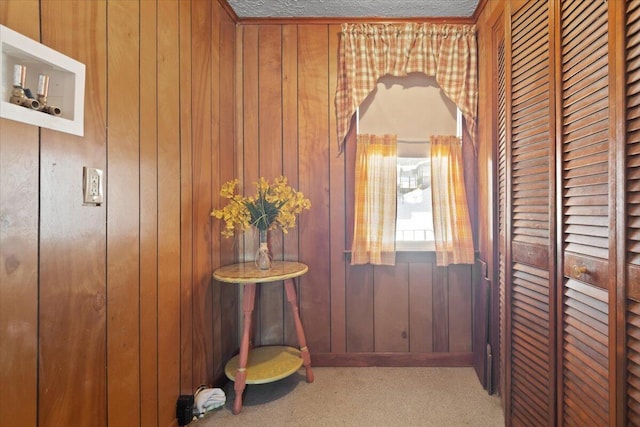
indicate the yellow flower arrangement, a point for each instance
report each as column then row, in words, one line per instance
column 274, row 205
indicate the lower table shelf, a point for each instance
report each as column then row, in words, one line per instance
column 267, row 364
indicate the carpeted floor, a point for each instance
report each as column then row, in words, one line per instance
column 365, row 397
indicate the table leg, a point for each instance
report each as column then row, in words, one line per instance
column 304, row 351
column 241, row 373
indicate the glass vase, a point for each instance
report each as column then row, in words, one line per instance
column 263, row 257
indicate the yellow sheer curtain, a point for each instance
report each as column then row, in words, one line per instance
column 374, row 232
column 452, row 227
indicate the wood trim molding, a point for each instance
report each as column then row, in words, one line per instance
column 392, row 359
column 227, row 8
column 479, row 9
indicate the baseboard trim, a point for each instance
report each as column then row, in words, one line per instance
column 392, row 359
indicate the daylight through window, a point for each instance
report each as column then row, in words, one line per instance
column 413, row 108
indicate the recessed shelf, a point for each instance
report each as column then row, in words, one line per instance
column 66, row 83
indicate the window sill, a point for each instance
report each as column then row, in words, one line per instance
column 407, row 256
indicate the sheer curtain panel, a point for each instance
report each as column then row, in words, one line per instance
column 452, row 227
column 374, row 231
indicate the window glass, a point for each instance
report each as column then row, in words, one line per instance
column 414, row 217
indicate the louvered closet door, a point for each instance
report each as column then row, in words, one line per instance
column 585, row 221
column 531, row 367
column 633, row 211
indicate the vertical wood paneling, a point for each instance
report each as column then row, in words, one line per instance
column 148, row 214
column 359, row 278
column 250, row 147
column 338, row 214
column 429, row 302
column 360, row 310
column 391, row 308
column 109, row 278
column 270, row 166
column 18, row 270
column 420, row 308
column 228, row 293
column 19, row 145
column 291, row 99
column 123, row 211
column 249, row 152
column 290, row 148
column 440, row 310
column 203, row 368
column 239, row 121
column 460, row 312
column 73, row 312
column 186, row 204
column 313, row 114
column 216, row 149
column 270, row 106
column 168, row 111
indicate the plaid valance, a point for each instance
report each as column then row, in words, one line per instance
column 369, row 51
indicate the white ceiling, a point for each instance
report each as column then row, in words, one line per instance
column 353, row 8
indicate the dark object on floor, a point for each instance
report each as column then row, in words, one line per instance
column 184, row 409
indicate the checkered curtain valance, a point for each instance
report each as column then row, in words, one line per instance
column 369, row 51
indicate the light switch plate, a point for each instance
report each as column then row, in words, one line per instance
column 92, row 186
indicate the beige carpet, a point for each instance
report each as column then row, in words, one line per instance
column 365, row 397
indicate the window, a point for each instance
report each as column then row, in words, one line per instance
column 414, row 108
column 414, row 217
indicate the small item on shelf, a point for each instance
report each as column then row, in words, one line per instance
column 19, row 94
column 19, row 75
column 43, row 88
column 43, row 91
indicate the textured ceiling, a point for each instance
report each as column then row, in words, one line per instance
column 352, row 8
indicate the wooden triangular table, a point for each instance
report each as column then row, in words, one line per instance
column 271, row 363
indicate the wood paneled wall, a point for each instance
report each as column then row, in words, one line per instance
column 413, row 313
column 108, row 313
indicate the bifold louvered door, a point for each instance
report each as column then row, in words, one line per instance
column 633, row 210
column 530, row 363
column 566, row 266
column 585, row 120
